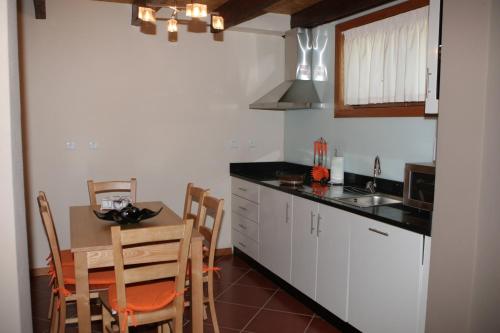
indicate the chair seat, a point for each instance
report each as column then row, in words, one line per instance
column 98, row 278
column 145, row 297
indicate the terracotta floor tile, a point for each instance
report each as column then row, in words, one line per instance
column 232, row 316
column 319, row 325
column 229, row 275
column 233, row 261
column 272, row 321
column 236, row 305
column 256, row 279
column 245, row 295
column 282, row 301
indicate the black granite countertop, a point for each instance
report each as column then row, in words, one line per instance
column 265, row 174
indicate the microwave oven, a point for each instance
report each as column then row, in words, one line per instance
column 419, row 184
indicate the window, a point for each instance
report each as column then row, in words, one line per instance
column 380, row 62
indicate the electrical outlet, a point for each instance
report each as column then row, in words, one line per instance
column 70, row 145
column 92, row 145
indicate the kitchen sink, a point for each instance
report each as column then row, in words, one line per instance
column 369, row 200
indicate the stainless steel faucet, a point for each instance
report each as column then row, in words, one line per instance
column 372, row 185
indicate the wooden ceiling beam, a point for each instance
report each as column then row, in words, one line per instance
column 135, row 16
column 328, row 11
column 40, row 12
column 239, row 11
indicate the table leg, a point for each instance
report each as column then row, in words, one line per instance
column 82, row 292
column 197, row 285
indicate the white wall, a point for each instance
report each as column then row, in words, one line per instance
column 359, row 140
column 464, row 293
column 163, row 112
column 15, row 306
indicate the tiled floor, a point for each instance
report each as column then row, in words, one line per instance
column 246, row 301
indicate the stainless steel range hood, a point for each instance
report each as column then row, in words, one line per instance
column 298, row 91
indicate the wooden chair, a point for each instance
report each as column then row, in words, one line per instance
column 112, row 186
column 60, row 295
column 144, row 291
column 214, row 208
column 193, row 194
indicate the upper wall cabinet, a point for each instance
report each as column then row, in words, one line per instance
column 433, row 58
column 386, row 62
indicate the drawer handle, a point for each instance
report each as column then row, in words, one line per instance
column 242, row 189
column 242, row 244
column 242, row 226
column 286, row 212
column 318, row 230
column 379, row 232
column 312, row 222
column 242, row 208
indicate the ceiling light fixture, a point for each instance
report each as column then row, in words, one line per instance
column 192, row 9
column 216, row 23
column 147, row 14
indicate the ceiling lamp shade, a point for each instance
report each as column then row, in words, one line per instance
column 217, row 22
column 147, row 14
column 172, row 25
column 196, row 10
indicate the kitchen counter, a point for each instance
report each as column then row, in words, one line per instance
column 265, row 174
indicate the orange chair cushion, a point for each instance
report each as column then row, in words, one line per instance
column 145, row 297
column 67, row 258
column 105, row 278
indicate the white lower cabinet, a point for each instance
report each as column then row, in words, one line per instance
column 384, row 279
column 333, row 260
column 304, row 245
column 320, row 254
column 275, row 231
column 368, row 273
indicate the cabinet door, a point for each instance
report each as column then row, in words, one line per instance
column 333, row 259
column 433, row 49
column 275, row 227
column 304, row 245
column 385, row 271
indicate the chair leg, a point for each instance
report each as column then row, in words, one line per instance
column 211, row 302
column 51, row 305
column 178, row 325
column 62, row 316
column 205, row 315
column 107, row 320
column 54, row 320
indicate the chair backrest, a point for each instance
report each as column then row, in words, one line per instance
column 194, row 194
column 50, row 232
column 163, row 254
column 112, row 186
column 214, row 208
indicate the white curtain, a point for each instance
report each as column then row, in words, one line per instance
column 385, row 61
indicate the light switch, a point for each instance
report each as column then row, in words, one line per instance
column 234, row 144
column 251, row 144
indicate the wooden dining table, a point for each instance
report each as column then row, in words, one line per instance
column 92, row 248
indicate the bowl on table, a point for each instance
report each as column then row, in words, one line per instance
column 128, row 215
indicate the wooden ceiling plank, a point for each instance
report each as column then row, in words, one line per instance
column 40, row 12
column 328, row 11
column 238, row 11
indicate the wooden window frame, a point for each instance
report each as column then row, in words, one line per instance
column 341, row 110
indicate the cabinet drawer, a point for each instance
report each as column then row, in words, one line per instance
column 245, row 226
column 245, row 189
column 245, row 208
column 245, row 244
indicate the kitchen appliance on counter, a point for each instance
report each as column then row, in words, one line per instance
column 319, row 171
column 419, row 184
